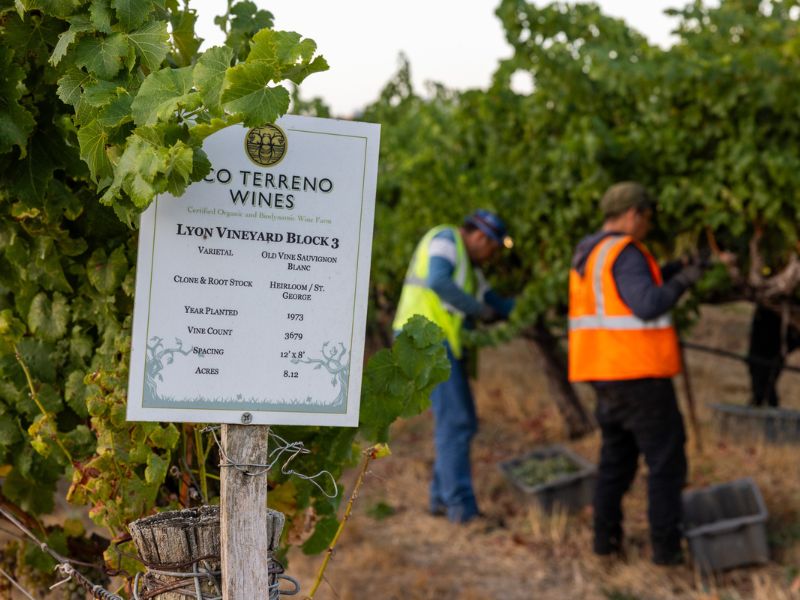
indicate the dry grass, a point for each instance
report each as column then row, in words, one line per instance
column 519, row 553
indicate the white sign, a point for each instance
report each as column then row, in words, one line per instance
column 251, row 288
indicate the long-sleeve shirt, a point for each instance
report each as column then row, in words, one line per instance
column 443, row 256
column 635, row 282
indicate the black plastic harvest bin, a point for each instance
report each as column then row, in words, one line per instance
column 571, row 491
column 725, row 525
column 772, row 425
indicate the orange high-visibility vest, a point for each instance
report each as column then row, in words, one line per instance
column 607, row 342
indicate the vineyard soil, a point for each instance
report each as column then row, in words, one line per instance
column 393, row 549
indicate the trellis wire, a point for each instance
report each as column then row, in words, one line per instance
column 63, row 566
column 293, row 449
column 21, row 589
column 192, row 589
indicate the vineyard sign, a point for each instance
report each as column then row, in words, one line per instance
column 251, row 288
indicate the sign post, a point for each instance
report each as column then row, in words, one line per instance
column 251, row 303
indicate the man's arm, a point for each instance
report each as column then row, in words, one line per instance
column 638, row 289
column 443, row 256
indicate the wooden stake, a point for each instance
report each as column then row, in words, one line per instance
column 243, row 518
column 687, row 386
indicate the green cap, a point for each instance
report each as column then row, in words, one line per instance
column 623, row 196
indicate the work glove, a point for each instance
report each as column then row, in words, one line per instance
column 690, row 274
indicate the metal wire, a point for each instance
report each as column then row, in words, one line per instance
column 283, row 448
column 21, row 589
column 63, row 566
column 192, row 587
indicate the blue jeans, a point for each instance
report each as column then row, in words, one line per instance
column 455, row 424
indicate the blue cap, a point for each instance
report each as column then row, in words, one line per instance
column 492, row 225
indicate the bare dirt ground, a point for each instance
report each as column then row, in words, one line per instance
column 519, row 554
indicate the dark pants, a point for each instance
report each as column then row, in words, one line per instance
column 640, row 416
column 765, row 352
column 455, row 423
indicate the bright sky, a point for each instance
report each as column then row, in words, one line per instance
column 454, row 42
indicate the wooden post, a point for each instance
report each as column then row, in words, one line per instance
column 243, row 506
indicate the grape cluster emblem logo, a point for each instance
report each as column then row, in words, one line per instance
column 266, row 145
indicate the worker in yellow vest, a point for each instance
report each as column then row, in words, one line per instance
column 622, row 341
column 445, row 285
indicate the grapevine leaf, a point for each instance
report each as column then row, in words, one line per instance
column 100, row 12
column 9, row 431
column 162, row 93
column 80, row 441
column 165, row 437
column 100, row 93
column 178, row 169
column 93, row 139
column 57, row 8
column 183, row 35
column 65, row 40
column 49, row 318
column 248, row 93
column 322, row 536
column 294, row 54
column 75, row 393
column 107, row 272
column 16, row 123
column 209, row 75
column 37, row 355
column 70, row 85
column 132, row 13
column 11, row 328
column 33, row 496
column 156, row 470
column 102, row 56
column 117, row 112
column 151, row 43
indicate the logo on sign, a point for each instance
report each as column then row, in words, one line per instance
column 266, row 145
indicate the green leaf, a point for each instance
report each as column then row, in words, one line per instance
column 165, row 437
column 132, row 13
column 322, row 537
column 70, row 85
column 117, row 112
column 151, row 43
column 101, row 93
column 248, row 94
column 107, row 272
column 9, row 431
column 65, row 40
column 11, row 328
column 80, row 441
column 179, row 167
column 32, row 487
column 184, row 37
column 16, row 123
column 93, row 139
column 156, row 470
column 49, row 318
column 102, row 56
column 75, row 393
column 209, row 76
column 100, row 12
column 162, row 93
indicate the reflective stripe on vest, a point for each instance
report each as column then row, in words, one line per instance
column 606, row 340
column 602, row 321
column 418, row 299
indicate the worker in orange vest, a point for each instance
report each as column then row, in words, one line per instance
column 622, row 341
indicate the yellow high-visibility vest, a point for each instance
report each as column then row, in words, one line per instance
column 418, row 299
